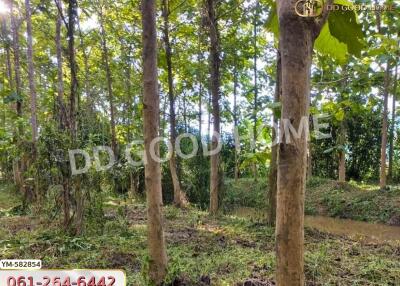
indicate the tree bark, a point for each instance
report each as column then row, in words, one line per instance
column 384, row 131
column 72, row 18
column 62, row 117
column 215, row 92
column 297, row 36
column 31, row 71
column 235, row 117
column 151, row 110
column 17, row 66
column 342, row 134
column 105, row 52
column 342, row 153
column 179, row 200
column 17, row 164
column 255, row 110
column 393, row 127
column 273, row 166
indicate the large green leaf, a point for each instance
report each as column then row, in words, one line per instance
column 328, row 45
column 343, row 26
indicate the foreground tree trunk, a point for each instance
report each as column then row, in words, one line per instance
column 273, row 166
column 297, row 36
column 215, row 93
column 393, row 126
column 179, row 200
column 151, row 110
column 384, row 132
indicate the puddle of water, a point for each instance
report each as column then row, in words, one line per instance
column 365, row 231
column 357, row 230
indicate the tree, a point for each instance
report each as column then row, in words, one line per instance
column 18, row 165
column 179, row 199
column 393, row 127
column 106, row 61
column 212, row 22
column 255, row 71
column 151, row 110
column 297, row 37
column 384, row 132
column 31, row 72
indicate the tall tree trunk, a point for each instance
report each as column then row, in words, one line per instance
column 106, row 60
column 297, row 37
column 200, row 79
column 215, row 92
column 255, row 107
column 72, row 18
column 151, row 120
column 17, row 65
column 17, row 164
column 62, row 117
column 31, row 71
column 32, row 89
column 72, row 116
column 393, row 127
column 235, row 117
column 62, row 112
column 178, row 196
column 273, row 166
column 342, row 134
column 384, row 132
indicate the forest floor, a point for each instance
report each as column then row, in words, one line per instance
column 202, row 250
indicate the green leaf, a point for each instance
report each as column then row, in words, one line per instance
column 328, row 45
column 344, row 26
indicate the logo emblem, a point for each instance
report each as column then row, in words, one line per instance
column 309, row 8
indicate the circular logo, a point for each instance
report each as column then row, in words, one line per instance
column 309, row 8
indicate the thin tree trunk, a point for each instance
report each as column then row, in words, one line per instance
column 254, row 164
column 342, row 136
column 31, row 72
column 151, row 120
column 342, row 153
column 114, row 145
column 60, row 74
column 235, row 117
column 200, row 79
column 17, row 164
column 393, row 127
column 5, row 32
column 215, row 92
column 297, row 36
column 72, row 18
column 384, row 132
column 32, row 89
column 178, row 196
column 17, row 65
column 273, row 166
